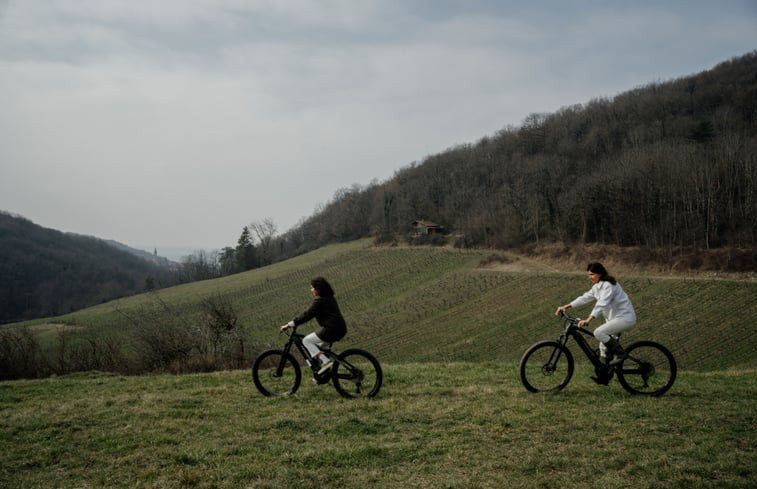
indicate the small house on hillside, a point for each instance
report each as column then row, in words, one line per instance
column 424, row 228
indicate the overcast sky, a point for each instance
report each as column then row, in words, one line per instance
column 175, row 123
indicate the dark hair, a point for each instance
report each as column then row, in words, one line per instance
column 322, row 286
column 600, row 270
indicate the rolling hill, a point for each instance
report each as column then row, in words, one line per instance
column 45, row 272
column 429, row 304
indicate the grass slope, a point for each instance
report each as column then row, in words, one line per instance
column 438, row 305
column 451, row 425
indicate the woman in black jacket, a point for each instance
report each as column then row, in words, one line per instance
column 326, row 311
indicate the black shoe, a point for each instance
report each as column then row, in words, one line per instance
column 615, row 352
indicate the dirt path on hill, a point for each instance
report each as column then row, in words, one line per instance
column 621, row 262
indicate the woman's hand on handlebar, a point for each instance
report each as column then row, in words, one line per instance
column 284, row 328
column 561, row 310
column 578, row 322
column 585, row 322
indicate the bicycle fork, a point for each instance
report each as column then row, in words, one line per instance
column 554, row 357
column 282, row 362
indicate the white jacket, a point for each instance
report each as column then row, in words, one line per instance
column 612, row 302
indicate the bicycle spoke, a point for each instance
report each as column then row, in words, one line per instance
column 357, row 374
column 276, row 373
column 546, row 366
column 650, row 369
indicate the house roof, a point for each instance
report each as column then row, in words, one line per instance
column 427, row 224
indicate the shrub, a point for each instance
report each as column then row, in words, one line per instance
column 19, row 354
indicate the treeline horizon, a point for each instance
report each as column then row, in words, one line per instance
column 668, row 166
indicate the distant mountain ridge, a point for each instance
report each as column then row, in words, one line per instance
column 45, row 272
column 145, row 255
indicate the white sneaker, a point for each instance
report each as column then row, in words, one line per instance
column 325, row 366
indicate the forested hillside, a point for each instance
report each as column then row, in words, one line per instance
column 669, row 166
column 44, row 272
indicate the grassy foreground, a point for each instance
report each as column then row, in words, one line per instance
column 453, row 425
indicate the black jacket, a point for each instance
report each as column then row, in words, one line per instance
column 326, row 311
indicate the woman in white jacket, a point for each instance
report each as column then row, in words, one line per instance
column 611, row 302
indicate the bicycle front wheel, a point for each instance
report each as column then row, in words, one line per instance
column 357, row 373
column 276, row 373
column 649, row 369
column 546, row 366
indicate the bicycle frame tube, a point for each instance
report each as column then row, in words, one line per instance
column 572, row 330
column 296, row 340
column 584, row 345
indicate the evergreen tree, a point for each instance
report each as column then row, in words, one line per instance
column 245, row 251
column 227, row 259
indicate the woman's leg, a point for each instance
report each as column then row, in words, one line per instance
column 604, row 332
column 314, row 344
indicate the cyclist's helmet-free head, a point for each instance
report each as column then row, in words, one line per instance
column 597, row 268
column 600, row 270
column 322, row 286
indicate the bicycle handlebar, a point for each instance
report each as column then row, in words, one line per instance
column 290, row 330
column 563, row 314
column 574, row 324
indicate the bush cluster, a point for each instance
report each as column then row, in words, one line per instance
column 161, row 339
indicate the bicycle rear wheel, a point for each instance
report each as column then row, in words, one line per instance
column 546, row 366
column 357, row 373
column 649, row 369
column 276, row 373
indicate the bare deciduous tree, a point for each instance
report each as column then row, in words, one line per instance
column 265, row 231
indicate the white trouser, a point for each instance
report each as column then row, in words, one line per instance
column 314, row 344
column 611, row 327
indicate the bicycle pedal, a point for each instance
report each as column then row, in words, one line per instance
column 321, row 379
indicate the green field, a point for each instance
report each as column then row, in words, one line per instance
column 450, row 425
column 451, row 412
column 439, row 305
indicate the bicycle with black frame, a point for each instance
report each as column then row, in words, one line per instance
column 647, row 369
column 354, row 372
